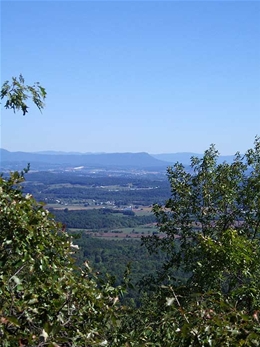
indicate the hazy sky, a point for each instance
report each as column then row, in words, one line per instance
column 134, row 76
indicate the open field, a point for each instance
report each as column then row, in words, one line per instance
column 73, row 207
column 143, row 211
column 131, row 233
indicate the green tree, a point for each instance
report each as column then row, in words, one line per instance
column 210, row 203
column 210, row 232
column 211, row 229
column 44, row 300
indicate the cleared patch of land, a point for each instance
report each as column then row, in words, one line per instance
column 122, row 233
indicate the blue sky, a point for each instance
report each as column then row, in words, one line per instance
column 134, row 76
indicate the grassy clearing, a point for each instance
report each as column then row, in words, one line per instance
column 136, row 232
column 144, row 211
column 141, row 229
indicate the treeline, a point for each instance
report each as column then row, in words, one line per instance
column 97, row 219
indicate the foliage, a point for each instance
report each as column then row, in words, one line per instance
column 212, row 228
column 16, row 94
column 207, row 320
column 44, row 301
column 206, row 203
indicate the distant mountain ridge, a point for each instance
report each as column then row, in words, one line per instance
column 134, row 160
column 76, row 159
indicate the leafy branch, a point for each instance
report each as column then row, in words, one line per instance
column 17, row 94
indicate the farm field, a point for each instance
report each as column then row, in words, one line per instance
column 142, row 211
column 75, row 191
column 121, row 233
